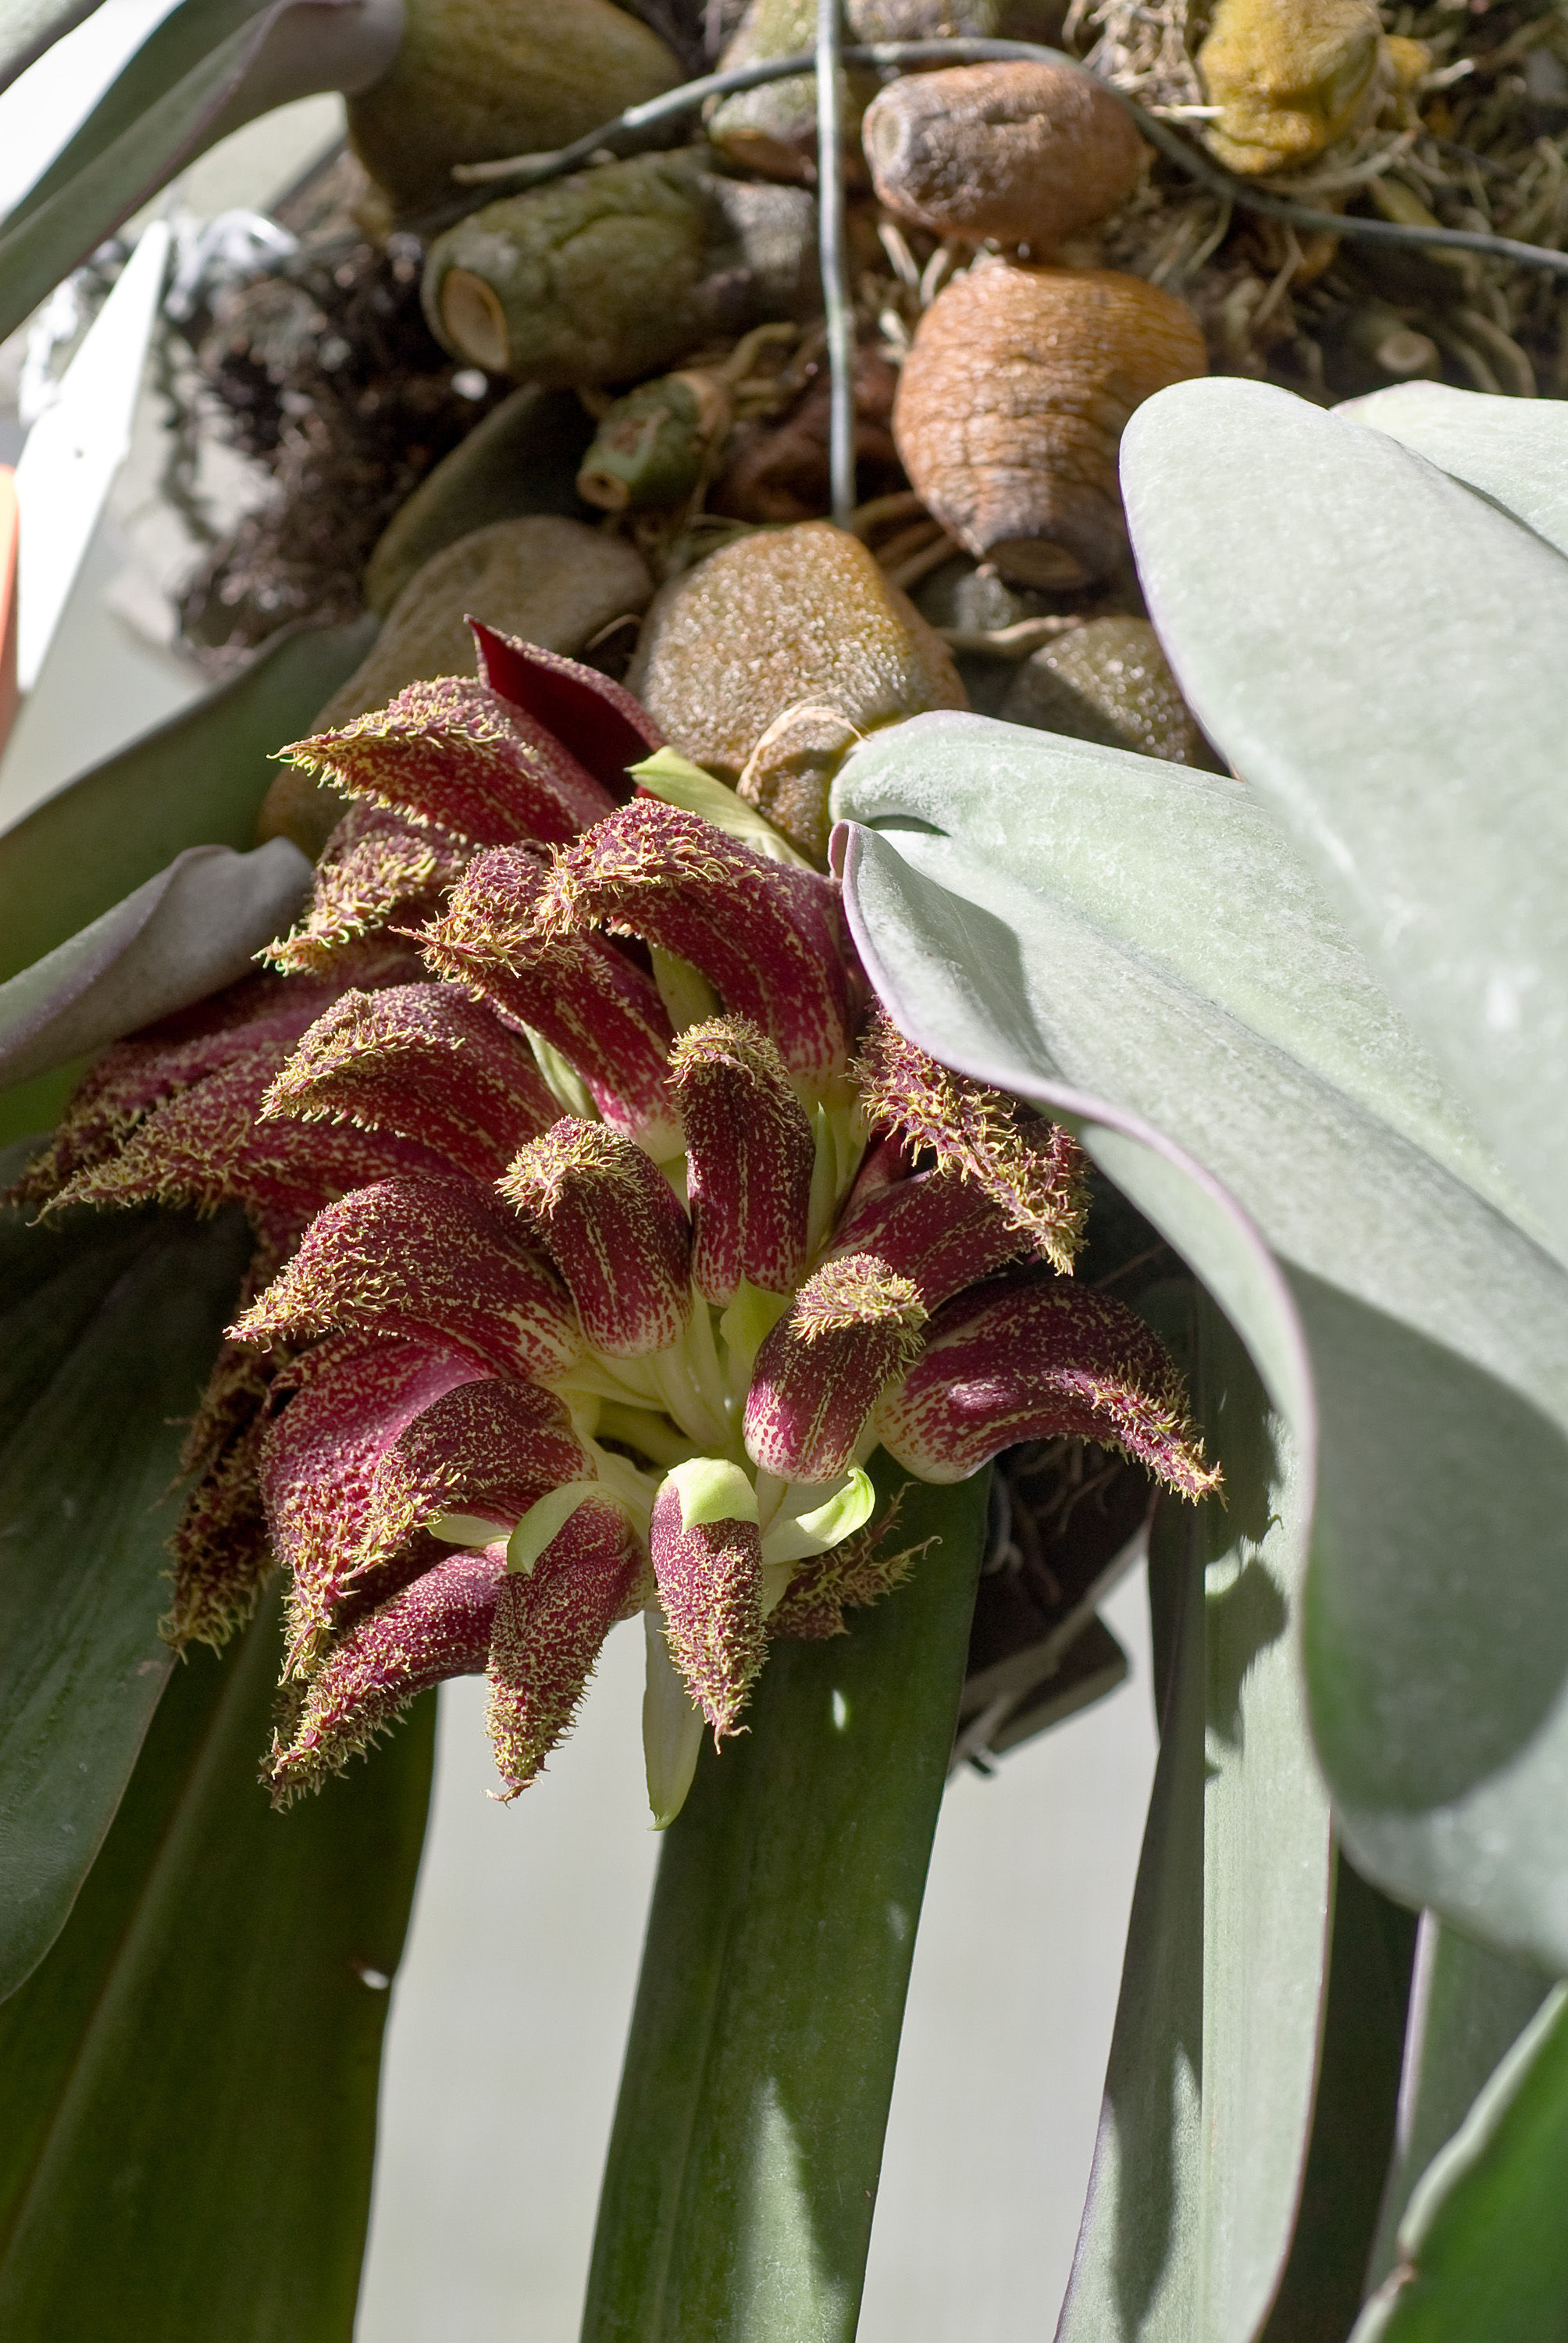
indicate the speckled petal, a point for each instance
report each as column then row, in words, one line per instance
column 339, row 1411
column 426, row 1259
column 1030, row 1357
column 710, row 1580
column 768, row 938
column 587, row 999
column 937, row 1230
column 614, row 1229
column 425, row 1060
column 452, row 751
column 133, row 1077
column 437, row 1627
column 375, row 868
column 821, row 1372
column 489, row 1450
column 858, row 1571
column 207, row 1146
column 1032, row 1169
column 550, row 1626
column 749, row 1151
column 220, row 1546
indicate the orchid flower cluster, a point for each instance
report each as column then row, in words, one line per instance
column 604, row 1226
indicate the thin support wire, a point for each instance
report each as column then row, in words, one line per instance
column 838, row 314
column 630, row 132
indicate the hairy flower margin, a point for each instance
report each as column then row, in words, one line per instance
column 605, row 1226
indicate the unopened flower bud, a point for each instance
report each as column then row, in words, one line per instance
column 707, row 1552
column 551, row 1619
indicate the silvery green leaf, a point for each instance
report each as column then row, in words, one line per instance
column 197, row 779
column 1209, row 2095
column 1379, row 650
column 186, row 933
column 1512, row 450
column 1437, row 1329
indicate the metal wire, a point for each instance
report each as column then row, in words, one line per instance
column 839, row 315
column 630, row 132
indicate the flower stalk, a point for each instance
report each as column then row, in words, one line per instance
column 788, row 1897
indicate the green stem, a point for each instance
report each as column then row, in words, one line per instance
column 742, row 2169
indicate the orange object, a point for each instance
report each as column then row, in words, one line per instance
column 8, row 531
column 1010, row 405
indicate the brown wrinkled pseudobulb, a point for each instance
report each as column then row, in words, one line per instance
column 475, row 81
column 1028, row 153
column 1012, row 405
column 796, row 624
column 1109, row 682
column 774, row 129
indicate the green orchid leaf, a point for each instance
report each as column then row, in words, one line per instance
column 107, row 1328
column 1437, row 1329
column 150, row 122
column 1483, row 2247
column 30, row 1108
column 29, row 28
column 1135, row 2273
column 1468, row 2009
column 1209, row 2095
column 743, row 2165
column 197, row 780
column 191, row 2076
column 1353, row 2116
column 1191, row 869
column 1316, row 587
column 1267, row 1856
column 177, row 46
column 194, row 929
column 1514, row 450
column 209, row 67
